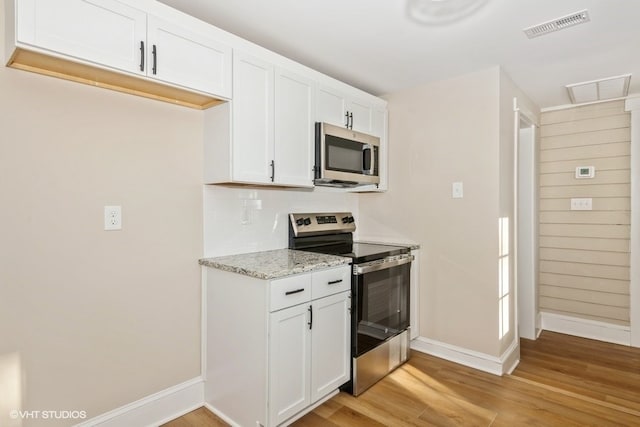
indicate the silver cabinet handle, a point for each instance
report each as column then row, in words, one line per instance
column 383, row 264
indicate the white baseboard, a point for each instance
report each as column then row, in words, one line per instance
column 291, row 420
column 221, row 415
column 473, row 359
column 155, row 409
column 586, row 328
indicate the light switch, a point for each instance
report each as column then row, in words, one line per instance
column 456, row 190
column 581, row 204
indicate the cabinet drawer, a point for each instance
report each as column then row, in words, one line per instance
column 329, row 282
column 290, row 291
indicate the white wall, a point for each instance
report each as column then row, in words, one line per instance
column 229, row 228
column 92, row 320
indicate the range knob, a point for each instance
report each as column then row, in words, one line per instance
column 345, row 219
column 299, row 222
column 307, row 221
column 351, row 219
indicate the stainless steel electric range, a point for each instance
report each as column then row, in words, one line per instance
column 380, row 288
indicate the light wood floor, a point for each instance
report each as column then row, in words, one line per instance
column 560, row 381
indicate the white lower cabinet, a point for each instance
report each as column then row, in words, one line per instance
column 289, row 362
column 331, row 341
column 274, row 348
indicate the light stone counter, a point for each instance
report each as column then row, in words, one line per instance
column 274, row 264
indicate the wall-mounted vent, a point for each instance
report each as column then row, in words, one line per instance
column 557, row 24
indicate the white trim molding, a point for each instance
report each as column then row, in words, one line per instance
column 155, row 409
column 633, row 105
column 504, row 364
column 585, row 328
column 221, row 415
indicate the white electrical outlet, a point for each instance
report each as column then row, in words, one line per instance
column 585, row 204
column 113, row 217
column 456, row 190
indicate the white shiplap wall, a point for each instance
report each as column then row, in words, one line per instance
column 584, row 255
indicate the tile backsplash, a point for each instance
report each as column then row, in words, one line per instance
column 239, row 219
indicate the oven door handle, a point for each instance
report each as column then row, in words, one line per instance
column 388, row 262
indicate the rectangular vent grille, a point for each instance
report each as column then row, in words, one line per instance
column 557, row 24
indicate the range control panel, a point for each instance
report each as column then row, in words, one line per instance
column 305, row 224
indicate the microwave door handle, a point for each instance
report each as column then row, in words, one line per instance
column 370, row 170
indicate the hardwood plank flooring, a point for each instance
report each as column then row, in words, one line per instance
column 561, row 381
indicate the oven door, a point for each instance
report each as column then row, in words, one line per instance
column 381, row 301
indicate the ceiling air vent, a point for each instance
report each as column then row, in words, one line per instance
column 557, row 24
column 599, row 90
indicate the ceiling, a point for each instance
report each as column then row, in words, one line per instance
column 376, row 46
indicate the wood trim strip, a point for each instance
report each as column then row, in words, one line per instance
column 52, row 66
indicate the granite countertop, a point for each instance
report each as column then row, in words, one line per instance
column 274, row 264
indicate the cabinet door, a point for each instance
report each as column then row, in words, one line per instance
column 361, row 120
column 252, row 105
column 331, row 107
column 294, row 129
column 289, row 362
column 188, row 59
column 379, row 123
column 331, row 344
column 105, row 32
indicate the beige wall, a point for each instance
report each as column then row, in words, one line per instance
column 584, row 255
column 91, row 320
column 441, row 133
column 461, row 129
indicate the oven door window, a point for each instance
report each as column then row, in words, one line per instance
column 382, row 307
column 343, row 155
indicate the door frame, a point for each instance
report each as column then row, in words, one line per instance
column 527, row 316
column 633, row 106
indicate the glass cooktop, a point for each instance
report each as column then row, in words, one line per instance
column 360, row 252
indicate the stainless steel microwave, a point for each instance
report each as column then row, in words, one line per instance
column 345, row 158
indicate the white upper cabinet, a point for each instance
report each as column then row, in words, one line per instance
column 102, row 31
column 179, row 56
column 331, row 107
column 252, row 118
column 359, row 116
column 95, row 41
column 349, row 111
column 294, row 128
column 272, row 134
